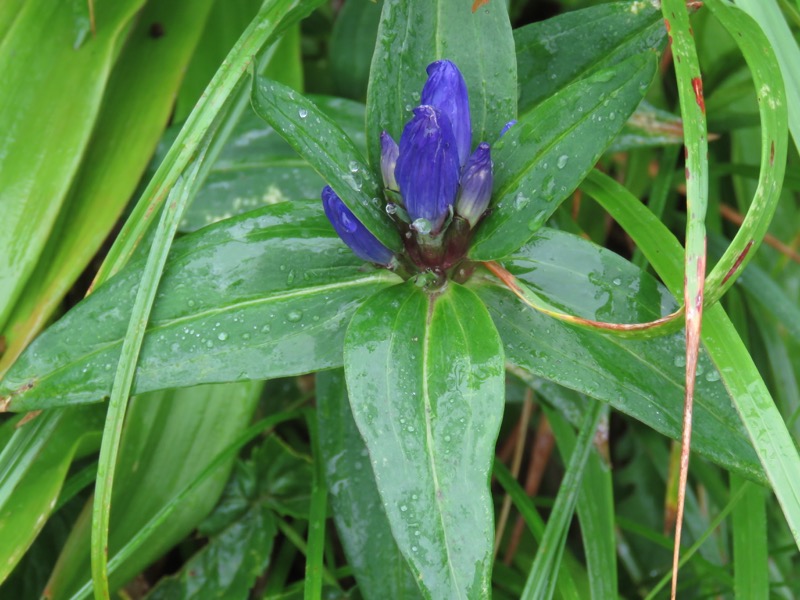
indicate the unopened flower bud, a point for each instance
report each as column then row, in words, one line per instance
column 389, row 153
column 352, row 231
column 428, row 168
column 476, row 185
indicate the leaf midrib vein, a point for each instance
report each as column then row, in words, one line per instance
column 426, row 343
column 376, row 278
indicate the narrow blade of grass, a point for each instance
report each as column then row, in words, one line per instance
column 693, row 114
column 768, row 15
column 762, row 420
column 316, row 518
column 772, row 107
column 542, row 576
column 126, row 370
column 750, row 553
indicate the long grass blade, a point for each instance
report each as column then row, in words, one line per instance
column 126, row 369
column 316, row 518
column 693, row 113
column 768, row 15
column 772, row 106
column 761, row 418
column 542, row 576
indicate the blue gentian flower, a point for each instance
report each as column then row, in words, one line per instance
column 365, row 245
column 434, row 167
column 431, row 177
column 428, row 169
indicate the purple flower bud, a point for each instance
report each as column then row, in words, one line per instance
column 507, row 126
column 352, row 231
column 428, row 168
column 446, row 90
column 389, row 153
column 476, row 185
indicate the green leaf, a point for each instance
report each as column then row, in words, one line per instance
column 29, row 577
column 256, row 167
column 243, row 526
column 352, row 43
column 165, row 424
column 750, row 551
column 595, row 504
column 263, row 295
column 136, row 104
column 764, row 424
column 640, row 377
column 318, row 139
column 44, row 138
column 272, row 19
column 542, row 578
column 773, row 108
column 379, row 567
column 426, row 380
column 275, row 475
column 413, row 34
column 33, row 465
column 227, row 567
column 541, row 160
column 556, row 52
column 767, row 13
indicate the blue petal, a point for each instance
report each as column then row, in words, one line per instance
column 365, row 245
column 447, row 91
column 389, row 154
column 428, row 168
column 476, row 185
column 507, row 126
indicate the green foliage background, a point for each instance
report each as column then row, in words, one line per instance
column 167, row 157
